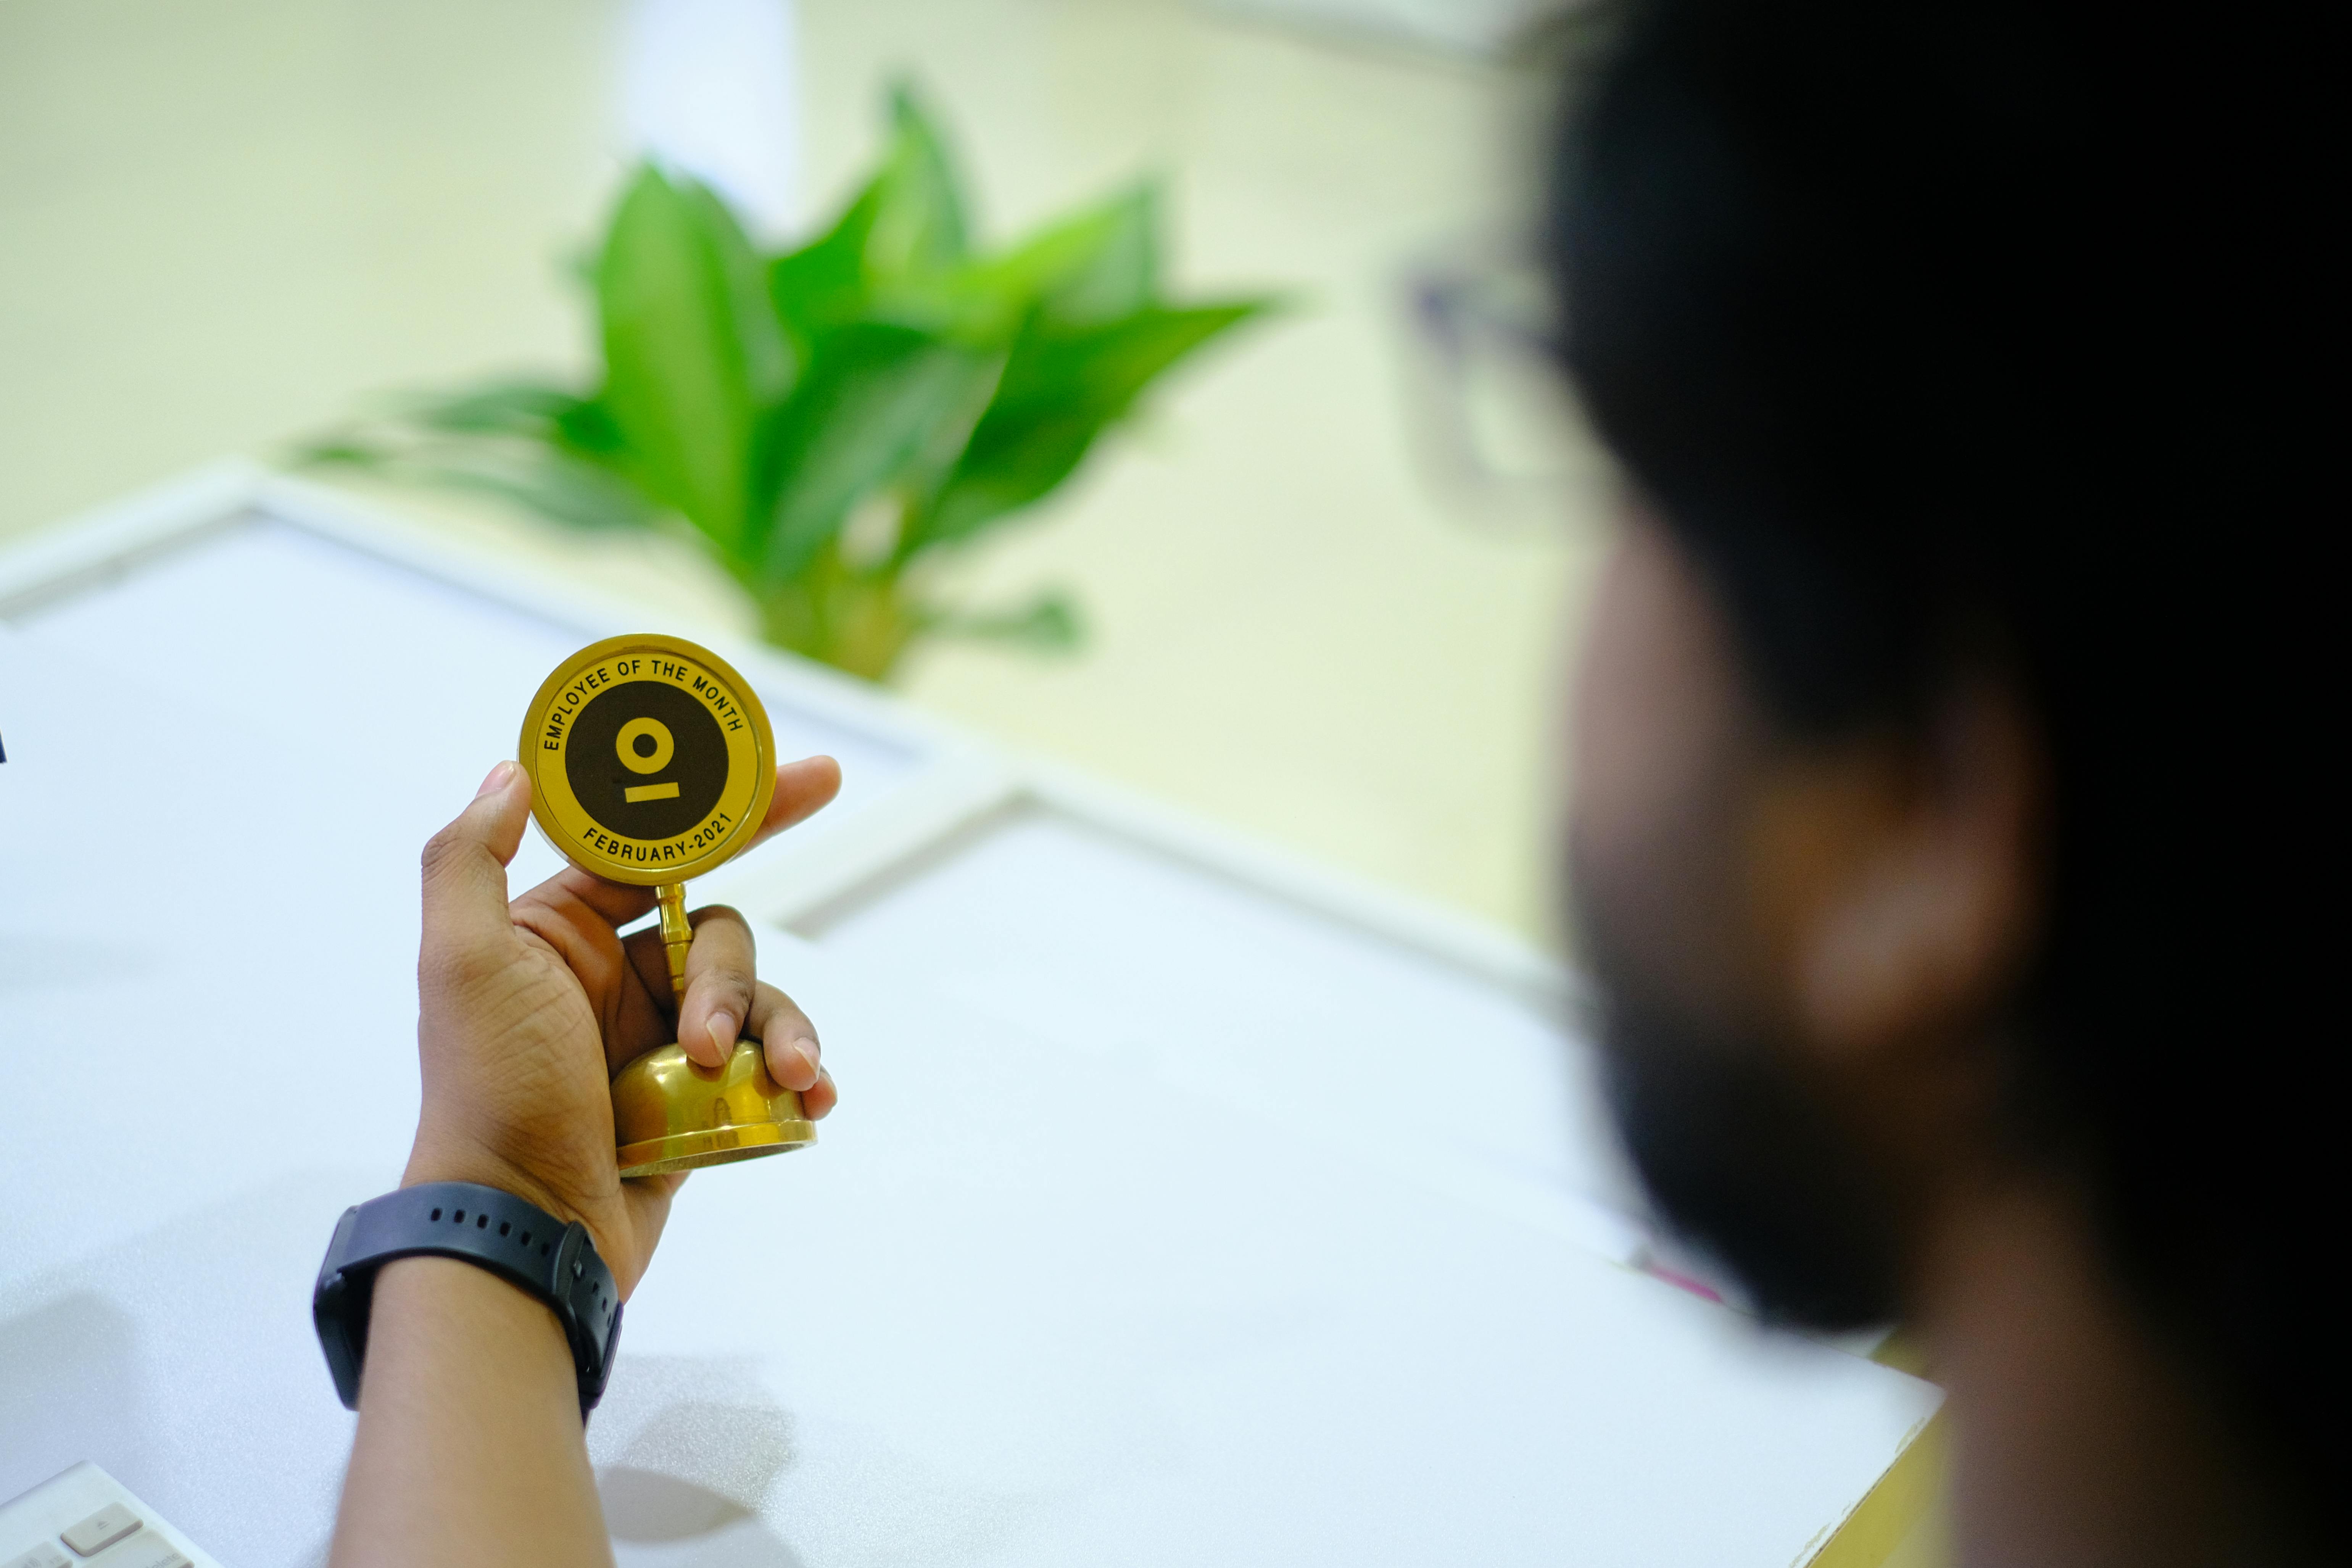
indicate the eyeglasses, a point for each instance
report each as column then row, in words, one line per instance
column 1498, row 415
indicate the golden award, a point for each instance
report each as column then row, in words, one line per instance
column 650, row 762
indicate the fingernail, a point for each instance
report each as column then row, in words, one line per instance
column 807, row 1050
column 495, row 779
column 722, row 1030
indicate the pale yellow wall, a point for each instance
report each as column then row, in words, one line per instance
column 223, row 222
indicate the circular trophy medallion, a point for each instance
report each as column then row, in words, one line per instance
column 650, row 758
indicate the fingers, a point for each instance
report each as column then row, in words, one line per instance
column 719, row 980
column 803, row 789
column 795, row 1059
column 615, row 904
column 819, row 1098
column 611, row 971
column 466, row 865
column 725, row 1003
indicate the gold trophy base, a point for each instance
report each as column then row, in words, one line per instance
column 669, row 1113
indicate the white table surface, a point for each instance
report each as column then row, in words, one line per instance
column 1135, row 1238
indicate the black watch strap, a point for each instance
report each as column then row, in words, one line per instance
column 519, row 1242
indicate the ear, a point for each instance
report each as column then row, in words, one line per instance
column 1921, row 931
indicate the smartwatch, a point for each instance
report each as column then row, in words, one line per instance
column 518, row 1242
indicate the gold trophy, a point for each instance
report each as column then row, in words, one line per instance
column 651, row 761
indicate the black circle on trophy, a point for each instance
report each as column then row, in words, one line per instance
column 647, row 760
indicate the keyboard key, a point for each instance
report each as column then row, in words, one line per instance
column 42, row 1556
column 147, row 1549
column 101, row 1529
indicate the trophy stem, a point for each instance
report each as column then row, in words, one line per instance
column 677, row 935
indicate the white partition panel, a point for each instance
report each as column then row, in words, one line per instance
column 1107, row 943
column 398, row 687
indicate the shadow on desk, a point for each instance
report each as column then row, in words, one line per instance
column 659, row 1520
column 71, row 1388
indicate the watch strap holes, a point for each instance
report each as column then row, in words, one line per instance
column 436, row 1214
column 504, row 1226
column 460, row 1217
column 481, row 1222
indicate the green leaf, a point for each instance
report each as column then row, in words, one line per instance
column 822, row 285
column 341, row 450
column 1049, row 624
column 533, row 412
column 694, row 355
column 1062, row 386
column 576, row 494
column 879, row 403
column 1101, row 369
column 769, row 363
column 1097, row 265
column 898, row 252
column 919, row 225
column 530, row 409
column 888, row 252
column 588, row 428
column 571, row 491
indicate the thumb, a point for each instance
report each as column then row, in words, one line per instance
column 465, row 864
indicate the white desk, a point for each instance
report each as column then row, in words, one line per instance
column 1135, row 1239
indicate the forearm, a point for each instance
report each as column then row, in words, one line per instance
column 470, row 1447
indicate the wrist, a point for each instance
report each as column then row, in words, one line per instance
column 481, row 1226
column 469, row 1400
column 428, row 1298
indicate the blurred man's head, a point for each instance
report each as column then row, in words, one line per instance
column 1921, row 795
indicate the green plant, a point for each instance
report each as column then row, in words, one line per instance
column 830, row 418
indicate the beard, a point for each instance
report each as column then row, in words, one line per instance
column 1741, row 1159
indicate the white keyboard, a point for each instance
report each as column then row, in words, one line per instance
column 86, row 1518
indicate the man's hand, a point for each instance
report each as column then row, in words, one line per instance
column 526, row 1009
